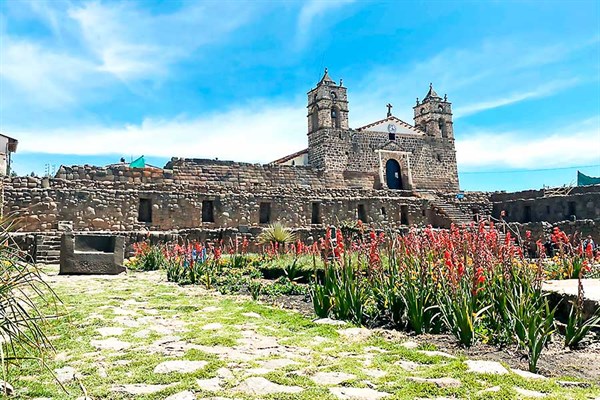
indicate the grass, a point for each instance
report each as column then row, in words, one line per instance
column 92, row 303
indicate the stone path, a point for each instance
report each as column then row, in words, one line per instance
column 196, row 345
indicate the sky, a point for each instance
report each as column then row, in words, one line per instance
column 89, row 82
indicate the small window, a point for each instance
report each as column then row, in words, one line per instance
column 362, row 213
column 547, row 210
column 315, row 217
column 333, row 95
column 527, row 214
column 383, row 213
column 264, row 213
column 572, row 209
column 145, row 211
column 439, row 157
column 208, row 211
column 404, row 215
column 392, row 136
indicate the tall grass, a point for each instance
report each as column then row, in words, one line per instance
column 25, row 301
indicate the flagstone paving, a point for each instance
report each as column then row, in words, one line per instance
column 138, row 337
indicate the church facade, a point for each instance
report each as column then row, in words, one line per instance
column 386, row 154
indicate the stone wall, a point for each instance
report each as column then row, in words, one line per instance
column 537, row 205
column 429, row 161
column 93, row 205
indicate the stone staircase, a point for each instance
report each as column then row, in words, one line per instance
column 47, row 248
column 453, row 213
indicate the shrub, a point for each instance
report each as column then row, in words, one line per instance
column 147, row 257
column 277, row 236
column 24, row 297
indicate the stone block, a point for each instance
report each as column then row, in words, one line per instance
column 85, row 254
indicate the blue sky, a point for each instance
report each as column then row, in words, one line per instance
column 91, row 81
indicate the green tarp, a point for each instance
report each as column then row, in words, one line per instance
column 138, row 163
column 584, row 180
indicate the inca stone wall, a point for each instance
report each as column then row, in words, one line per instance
column 539, row 205
column 111, row 199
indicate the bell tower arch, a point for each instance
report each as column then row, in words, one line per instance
column 327, row 105
column 434, row 115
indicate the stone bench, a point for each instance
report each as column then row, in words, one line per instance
column 91, row 254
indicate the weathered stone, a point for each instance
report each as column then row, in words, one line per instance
column 7, row 388
column 529, row 393
column 139, row 388
column 439, row 382
column 180, row 366
column 527, row 374
column 350, row 393
column 261, row 386
column 66, row 374
column 486, row 367
column 329, row 321
column 186, row 395
column 209, row 385
column 331, row 378
column 110, row 344
column 110, row 331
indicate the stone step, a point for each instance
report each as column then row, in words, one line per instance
column 49, row 253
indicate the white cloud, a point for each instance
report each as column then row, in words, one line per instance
column 566, row 146
column 132, row 43
column 252, row 134
column 93, row 43
column 312, row 10
column 543, row 90
column 40, row 75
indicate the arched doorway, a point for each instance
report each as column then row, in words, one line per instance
column 392, row 174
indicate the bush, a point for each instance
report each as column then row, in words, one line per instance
column 147, row 257
column 277, row 235
column 24, row 299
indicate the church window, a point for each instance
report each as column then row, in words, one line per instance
column 440, row 108
column 422, row 110
column 333, row 95
column 335, row 117
column 442, row 126
column 314, row 119
column 392, row 136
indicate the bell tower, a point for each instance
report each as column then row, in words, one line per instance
column 434, row 115
column 327, row 105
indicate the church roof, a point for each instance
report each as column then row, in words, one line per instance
column 289, row 157
column 390, row 119
column 431, row 93
column 326, row 79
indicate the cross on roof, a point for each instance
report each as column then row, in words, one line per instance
column 389, row 107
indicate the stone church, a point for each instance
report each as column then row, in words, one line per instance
column 386, row 154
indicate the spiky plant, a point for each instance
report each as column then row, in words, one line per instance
column 24, row 301
column 277, row 234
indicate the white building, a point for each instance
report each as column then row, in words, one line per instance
column 8, row 146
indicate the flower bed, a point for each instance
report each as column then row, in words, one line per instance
column 472, row 282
